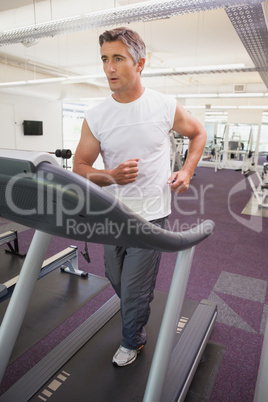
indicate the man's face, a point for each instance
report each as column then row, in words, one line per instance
column 118, row 65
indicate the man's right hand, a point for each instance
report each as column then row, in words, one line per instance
column 126, row 172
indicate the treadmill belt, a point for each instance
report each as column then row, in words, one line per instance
column 90, row 376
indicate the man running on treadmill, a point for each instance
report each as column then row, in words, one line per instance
column 130, row 129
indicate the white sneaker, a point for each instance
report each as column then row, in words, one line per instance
column 124, row 356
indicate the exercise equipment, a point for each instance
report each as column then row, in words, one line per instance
column 65, row 154
column 55, row 201
column 66, row 260
column 178, row 150
column 260, row 190
column 7, row 238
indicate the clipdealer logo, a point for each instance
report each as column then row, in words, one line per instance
column 47, row 198
column 108, row 227
column 130, row 227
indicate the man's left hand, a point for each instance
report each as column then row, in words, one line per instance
column 179, row 181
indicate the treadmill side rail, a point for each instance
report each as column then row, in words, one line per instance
column 188, row 352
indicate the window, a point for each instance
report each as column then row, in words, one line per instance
column 73, row 117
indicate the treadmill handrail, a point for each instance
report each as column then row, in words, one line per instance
column 33, row 157
column 24, row 180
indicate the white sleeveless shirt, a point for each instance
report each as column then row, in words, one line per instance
column 138, row 129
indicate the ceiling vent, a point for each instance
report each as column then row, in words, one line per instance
column 239, row 88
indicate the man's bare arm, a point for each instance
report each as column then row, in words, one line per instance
column 86, row 154
column 188, row 126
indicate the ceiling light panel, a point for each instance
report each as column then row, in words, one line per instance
column 197, row 70
column 146, row 11
column 249, row 23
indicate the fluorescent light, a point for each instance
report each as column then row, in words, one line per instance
column 66, row 80
column 221, row 114
column 253, row 107
column 242, row 95
column 45, row 80
column 91, row 99
column 156, row 71
column 223, row 107
column 216, row 118
column 192, row 70
column 168, row 71
column 32, row 82
column 194, row 107
column 85, row 77
column 213, row 67
column 224, row 95
column 196, row 96
column 12, row 83
column 211, row 113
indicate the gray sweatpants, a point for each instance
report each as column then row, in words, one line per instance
column 132, row 273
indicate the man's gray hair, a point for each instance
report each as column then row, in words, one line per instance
column 131, row 39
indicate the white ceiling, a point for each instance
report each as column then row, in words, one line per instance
column 190, row 40
column 12, row 4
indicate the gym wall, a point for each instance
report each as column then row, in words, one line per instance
column 15, row 108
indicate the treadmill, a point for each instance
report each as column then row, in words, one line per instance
column 38, row 193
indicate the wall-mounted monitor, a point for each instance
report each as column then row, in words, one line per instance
column 32, row 127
